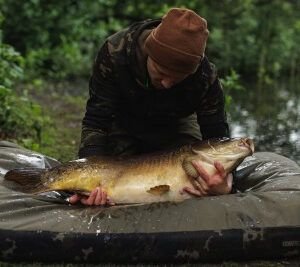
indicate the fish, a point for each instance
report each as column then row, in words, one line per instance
column 146, row 178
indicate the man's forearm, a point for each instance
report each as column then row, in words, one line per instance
column 215, row 130
column 93, row 142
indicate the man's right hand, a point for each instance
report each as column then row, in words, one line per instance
column 97, row 197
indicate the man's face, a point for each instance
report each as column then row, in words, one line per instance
column 159, row 78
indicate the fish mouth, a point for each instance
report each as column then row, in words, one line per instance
column 248, row 143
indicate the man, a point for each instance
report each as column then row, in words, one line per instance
column 153, row 88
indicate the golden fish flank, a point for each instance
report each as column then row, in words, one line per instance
column 140, row 179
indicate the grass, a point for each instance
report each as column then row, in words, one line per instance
column 64, row 104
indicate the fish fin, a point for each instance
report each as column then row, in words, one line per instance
column 159, row 189
column 28, row 180
column 189, row 168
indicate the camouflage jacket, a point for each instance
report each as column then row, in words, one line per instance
column 120, row 92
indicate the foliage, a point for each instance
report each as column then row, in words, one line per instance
column 257, row 38
column 20, row 118
column 10, row 65
column 60, row 36
column 231, row 82
column 11, row 62
column 57, row 40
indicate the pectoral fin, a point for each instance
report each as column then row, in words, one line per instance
column 159, row 190
column 189, row 168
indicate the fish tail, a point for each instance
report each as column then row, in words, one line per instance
column 29, row 180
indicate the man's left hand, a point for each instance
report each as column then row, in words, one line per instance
column 205, row 184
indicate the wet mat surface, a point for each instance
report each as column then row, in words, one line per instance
column 263, row 220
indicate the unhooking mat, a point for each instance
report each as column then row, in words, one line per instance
column 262, row 221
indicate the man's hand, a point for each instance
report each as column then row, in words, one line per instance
column 217, row 184
column 97, row 197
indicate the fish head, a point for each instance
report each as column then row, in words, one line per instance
column 230, row 152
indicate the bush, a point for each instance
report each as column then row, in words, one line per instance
column 21, row 120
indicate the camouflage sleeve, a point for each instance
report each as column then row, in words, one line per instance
column 211, row 114
column 101, row 106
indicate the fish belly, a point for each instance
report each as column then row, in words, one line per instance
column 152, row 186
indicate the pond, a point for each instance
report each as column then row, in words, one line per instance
column 270, row 115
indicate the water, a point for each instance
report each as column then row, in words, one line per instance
column 270, row 115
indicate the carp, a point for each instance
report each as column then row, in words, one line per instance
column 146, row 178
